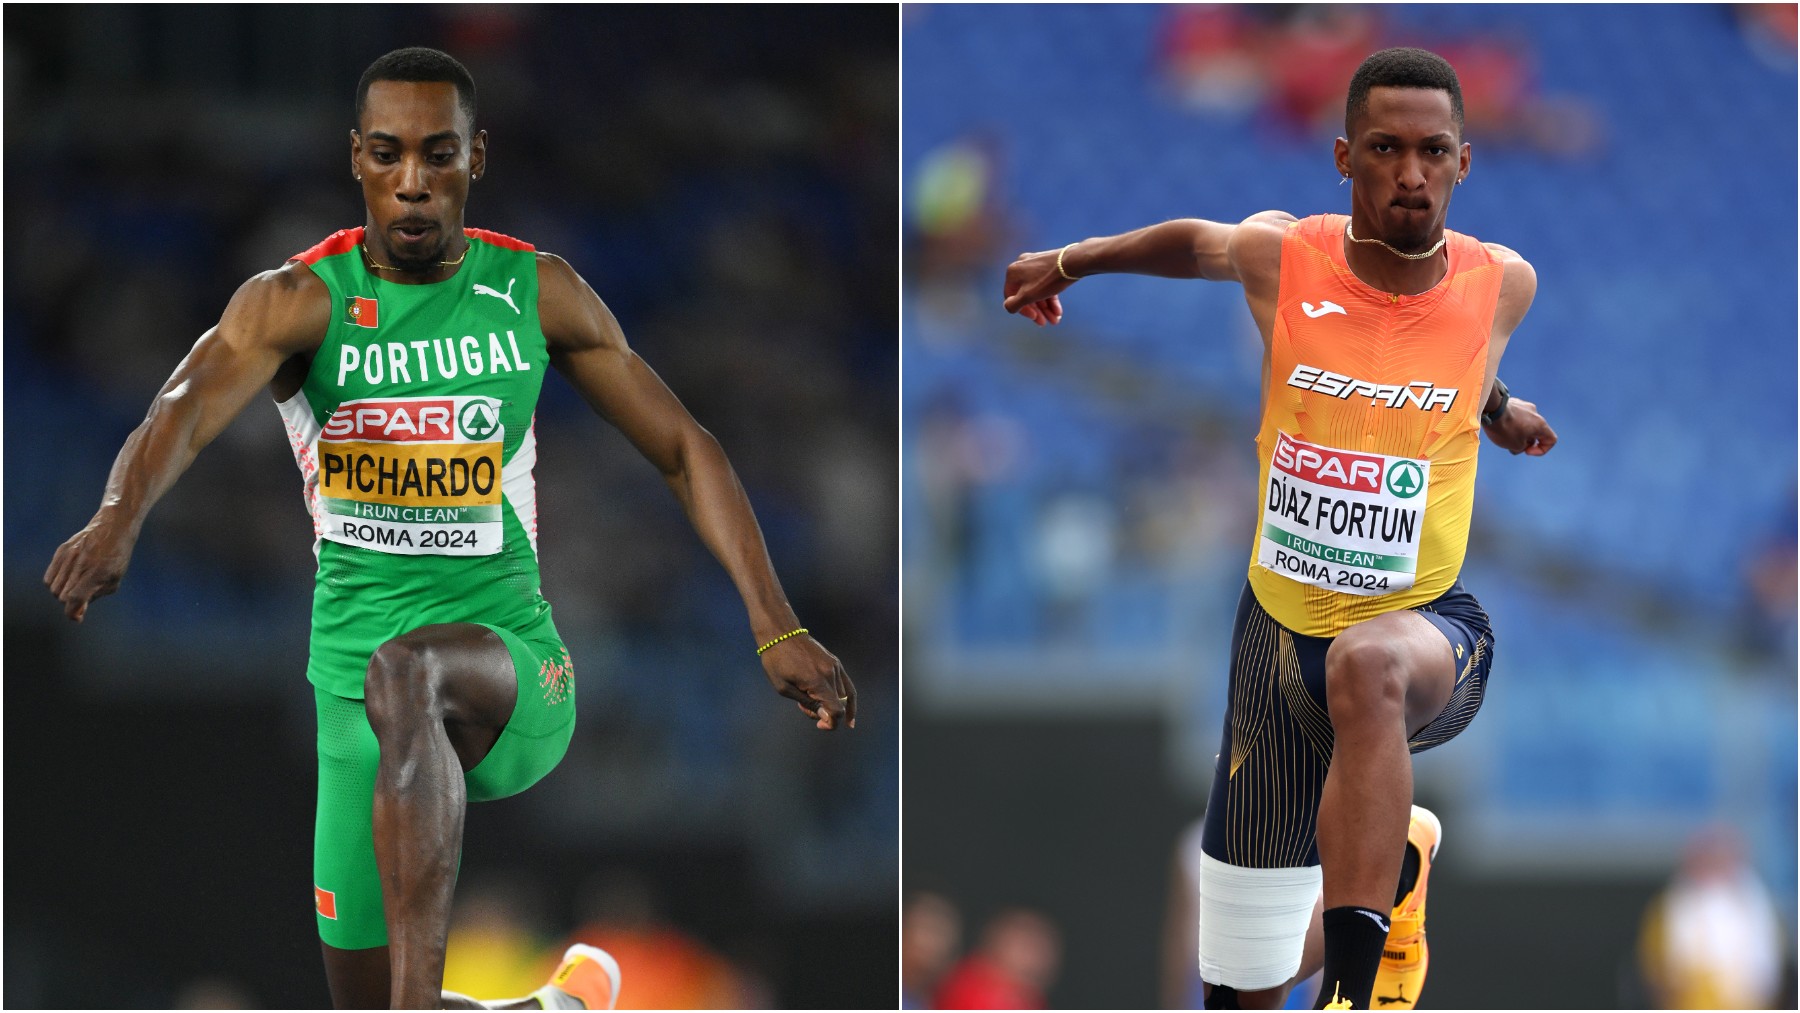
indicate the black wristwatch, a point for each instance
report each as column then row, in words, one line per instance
column 1489, row 418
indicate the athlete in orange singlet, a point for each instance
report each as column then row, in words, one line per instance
column 1355, row 641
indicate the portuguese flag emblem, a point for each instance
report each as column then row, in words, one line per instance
column 360, row 311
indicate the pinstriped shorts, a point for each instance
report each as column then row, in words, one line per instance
column 1264, row 807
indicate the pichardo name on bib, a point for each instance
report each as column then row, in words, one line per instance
column 397, row 361
column 414, row 476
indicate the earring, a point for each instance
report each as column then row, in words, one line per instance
column 1346, row 179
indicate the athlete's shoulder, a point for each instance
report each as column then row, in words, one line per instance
column 570, row 312
column 1255, row 247
column 1504, row 254
column 288, row 308
column 1278, row 227
column 1278, row 219
column 1518, row 284
column 556, row 277
column 1269, row 226
column 292, row 282
column 1519, row 272
column 337, row 244
column 500, row 239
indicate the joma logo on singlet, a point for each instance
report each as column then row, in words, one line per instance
column 1418, row 394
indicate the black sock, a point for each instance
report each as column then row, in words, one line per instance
column 1222, row 997
column 1409, row 873
column 1353, row 938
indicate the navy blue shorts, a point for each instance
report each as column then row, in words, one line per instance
column 1264, row 808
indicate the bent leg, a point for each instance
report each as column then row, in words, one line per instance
column 437, row 699
column 1384, row 679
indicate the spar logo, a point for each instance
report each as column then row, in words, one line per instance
column 1405, row 479
column 479, row 419
column 1338, row 469
column 393, row 421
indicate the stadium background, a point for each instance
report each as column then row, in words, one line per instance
column 726, row 179
column 1077, row 500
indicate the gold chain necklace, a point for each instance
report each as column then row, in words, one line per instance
column 442, row 263
column 1408, row 256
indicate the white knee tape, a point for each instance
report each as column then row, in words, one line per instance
column 1253, row 922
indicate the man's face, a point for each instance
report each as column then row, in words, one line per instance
column 1403, row 161
column 415, row 154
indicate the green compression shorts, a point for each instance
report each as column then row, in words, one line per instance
column 346, row 885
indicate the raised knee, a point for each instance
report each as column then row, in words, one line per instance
column 398, row 685
column 1364, row 680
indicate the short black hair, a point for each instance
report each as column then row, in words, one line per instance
column 1403, row 67
column 417, row 63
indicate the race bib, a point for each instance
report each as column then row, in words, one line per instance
column 1343, row 520
column 414, row 475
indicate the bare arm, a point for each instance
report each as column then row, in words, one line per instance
column 1248, row 252
column 1519, row 428
column 273, row 316
column 588, row 347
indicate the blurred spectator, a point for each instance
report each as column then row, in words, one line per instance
column 1770, row 573
column 1012, row 968
column 498, row 945
column 961, row 452
column 1711, row 940
column 954, row 209
column 1296, row 61
column 1503, row 105
column 662, row 966
column 1771, row 31
column 958, row 223
column 1312, row 52
column 1077, row 535
column 1210, row 57
column 930, row 934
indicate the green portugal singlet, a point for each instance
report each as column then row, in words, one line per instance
column 413, row 432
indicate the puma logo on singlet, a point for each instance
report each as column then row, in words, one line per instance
column 1325, row 306
column 507, row 296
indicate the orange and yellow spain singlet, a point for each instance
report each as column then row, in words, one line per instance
column 1370, row 428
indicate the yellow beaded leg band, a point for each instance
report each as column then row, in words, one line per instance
column 779, row 639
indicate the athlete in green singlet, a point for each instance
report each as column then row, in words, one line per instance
column 406, row 358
